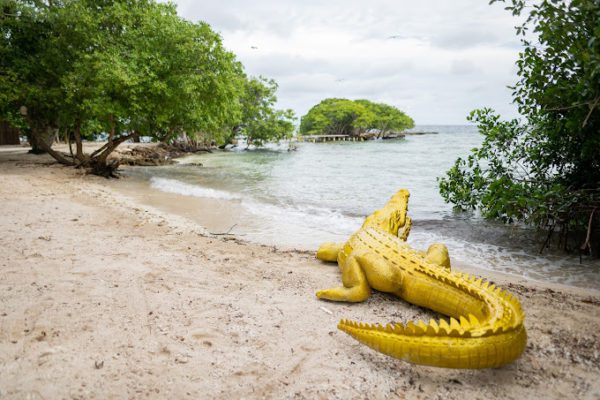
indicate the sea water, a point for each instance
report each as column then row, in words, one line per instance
column 322, row 192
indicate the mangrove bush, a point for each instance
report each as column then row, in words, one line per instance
column 543, row 168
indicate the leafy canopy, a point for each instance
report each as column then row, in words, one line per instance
column 544, row 168
column 135, row 64
column 348, row 117
column 259, row 121
column 124, row 67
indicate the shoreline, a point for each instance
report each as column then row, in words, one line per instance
column 224, row 221
column 221, row 210
column 106, row 297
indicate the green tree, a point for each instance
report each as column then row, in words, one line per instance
column 124, row 67
column 543, row 169
column 347, row 117
column 29, row 69
column 387, row 118
column 154, row 74
column 259, row 121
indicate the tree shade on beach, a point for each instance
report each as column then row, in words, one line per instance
column 543, row 169
column 126, row 68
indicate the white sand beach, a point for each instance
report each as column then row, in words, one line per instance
column 101, row 297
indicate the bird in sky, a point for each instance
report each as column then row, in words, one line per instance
column 406, row 37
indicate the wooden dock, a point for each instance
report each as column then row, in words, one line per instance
column 331, row 138
column 358, row 138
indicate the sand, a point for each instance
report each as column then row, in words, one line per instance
column 101, row 297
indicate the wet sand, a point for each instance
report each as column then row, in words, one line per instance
column 101, row 297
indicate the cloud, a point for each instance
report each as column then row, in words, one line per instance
column 464, row 67
column 436, row 60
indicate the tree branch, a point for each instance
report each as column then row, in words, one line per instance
column 584, row 103
column 110, row 146
column 592, row 106
column 78, row 143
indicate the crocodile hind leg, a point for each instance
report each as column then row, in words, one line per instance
column 356, row 287
column 361, row 271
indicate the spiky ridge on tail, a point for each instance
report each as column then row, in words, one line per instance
column 467, row 343
column 419, row 344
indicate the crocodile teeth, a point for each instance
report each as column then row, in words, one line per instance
column 473, row 320
column 422, row 325
column 411, row 329
column 433, row 329
column 464, row 323
column 454, row 328
column 399, row 329
column 444, row 327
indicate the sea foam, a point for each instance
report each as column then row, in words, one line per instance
column 304, row 218
column 187, row 189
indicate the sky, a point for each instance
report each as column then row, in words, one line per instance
column 436, row 60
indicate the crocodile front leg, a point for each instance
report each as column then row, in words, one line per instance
column 329, row 251
column 437, row 254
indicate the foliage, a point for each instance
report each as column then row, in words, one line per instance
column 259, row 121
column 545, row 168
column 347, row 117
column 124, row 67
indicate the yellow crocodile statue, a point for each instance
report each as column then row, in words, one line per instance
column 486, row 323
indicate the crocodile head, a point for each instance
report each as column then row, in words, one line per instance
column 392, row 216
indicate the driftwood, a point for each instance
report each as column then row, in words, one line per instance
column 160, row 154
column 225, row 233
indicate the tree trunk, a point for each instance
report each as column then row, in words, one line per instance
column 169, row 136
column 78, row 143
column 101, row 167
column 44, row 140
column 40, row 140
column 99, row 163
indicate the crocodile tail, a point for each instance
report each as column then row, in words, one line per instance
column 442, row 344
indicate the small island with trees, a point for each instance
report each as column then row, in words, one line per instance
column 343, row 119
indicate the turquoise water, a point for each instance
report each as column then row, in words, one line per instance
column 322, row 192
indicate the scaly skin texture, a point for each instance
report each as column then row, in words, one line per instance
column 485, row 328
